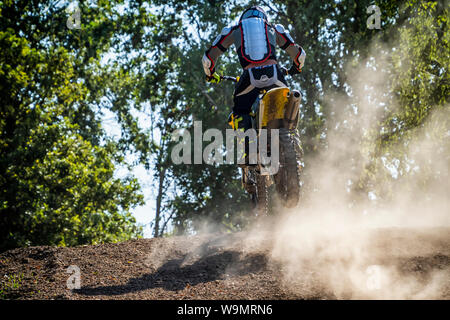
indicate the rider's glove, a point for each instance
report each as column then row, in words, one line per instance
column 294, row 70
column 214, row 78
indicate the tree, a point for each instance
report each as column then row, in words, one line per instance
column 419, row 86
column 57, row 170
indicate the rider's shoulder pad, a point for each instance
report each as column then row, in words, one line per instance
column 225, row 31
column 280, row 28
column 222, row 34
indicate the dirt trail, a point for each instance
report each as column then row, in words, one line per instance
column 210, row 267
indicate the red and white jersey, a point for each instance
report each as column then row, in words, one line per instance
column 255, row 41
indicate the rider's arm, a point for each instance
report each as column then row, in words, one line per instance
column 222, row 42
column 285, row 41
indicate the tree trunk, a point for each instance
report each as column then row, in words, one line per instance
column 162, row 174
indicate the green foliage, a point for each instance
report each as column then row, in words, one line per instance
column 421, row 81
column 419, row 110
column 9, row 283
column 57, row 171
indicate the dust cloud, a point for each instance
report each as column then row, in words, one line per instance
column 387, row 241
column 369, row 225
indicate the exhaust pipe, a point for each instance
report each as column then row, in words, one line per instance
column 292, row 109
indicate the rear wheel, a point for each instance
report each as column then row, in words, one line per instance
column 287, row 180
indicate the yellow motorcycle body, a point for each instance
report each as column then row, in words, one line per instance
column 278, row 108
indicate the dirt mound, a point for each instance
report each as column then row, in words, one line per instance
column 207, row 267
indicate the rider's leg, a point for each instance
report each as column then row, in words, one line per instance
column 244, row 96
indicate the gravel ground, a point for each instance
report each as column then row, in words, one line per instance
column 211, row 267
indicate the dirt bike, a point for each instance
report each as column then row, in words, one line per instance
column 277, row 108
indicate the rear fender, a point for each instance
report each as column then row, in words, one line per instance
column 279, row 108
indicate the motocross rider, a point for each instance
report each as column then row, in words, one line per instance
column 255, row 40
